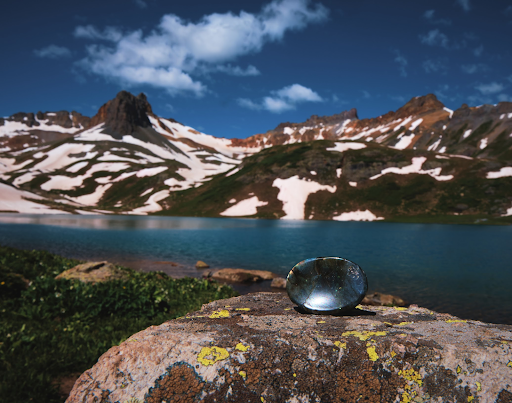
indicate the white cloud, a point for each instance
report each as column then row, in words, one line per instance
column 429, row 16
column 283, row 100
column 247, row 103
column 366, row 94
column 91, row 32
column 176, row 49
column 435, row 38
column 490, row 88
column 53, row 52
column 465, row 4
column 478, row 51
column 402, row 62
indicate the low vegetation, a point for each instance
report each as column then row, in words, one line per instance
column 53, row 328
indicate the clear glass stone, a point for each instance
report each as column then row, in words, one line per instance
column 326, row 284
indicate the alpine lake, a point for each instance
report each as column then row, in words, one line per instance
column 464, row 270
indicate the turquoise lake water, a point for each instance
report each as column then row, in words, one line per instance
column 465, row 270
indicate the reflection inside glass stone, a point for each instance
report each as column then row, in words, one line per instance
column 326, row 284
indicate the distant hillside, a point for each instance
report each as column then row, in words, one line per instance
column 422, row 162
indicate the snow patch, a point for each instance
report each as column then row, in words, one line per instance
column 415, row 124
column 483, row 143
column 415, row 168
column 288, row 130
column 358, row 215
column 353, row 184
column 502, row 173
column 338, row 172
column 151, row 204
column 466, row 134
column 294, row 192
column 449, row 111
column 150, row 171
column 341, row 147
column 405, row 141
column 245, row 207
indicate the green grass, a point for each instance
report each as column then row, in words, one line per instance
column 51, row 328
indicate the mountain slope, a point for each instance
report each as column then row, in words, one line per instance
column 421, row 160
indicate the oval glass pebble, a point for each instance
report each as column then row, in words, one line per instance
column 326, row 284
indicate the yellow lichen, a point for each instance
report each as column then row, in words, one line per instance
column 393, row 354
column 470, row 398
column 411, row 375
column 340, row 345
column 404, row 323
column 400, row 308
column 321, row 321
column 227, row 306
column 372, row 353
column 459, row 369
column 216, row 354
column 478, row 386
column 243, row 309
column 219, row 314
column 243, row 374
column 241, row 347
column 295, row 375
column 287, row 309
column 262, row 399
column 456, row 321
column 509, row 364
column 407, row 398
column 363, row 336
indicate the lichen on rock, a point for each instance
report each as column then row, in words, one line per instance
column 265, row 350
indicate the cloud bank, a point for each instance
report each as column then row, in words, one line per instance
column 173, row 54
column 283, row 100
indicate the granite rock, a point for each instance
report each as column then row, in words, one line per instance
column 258, row 348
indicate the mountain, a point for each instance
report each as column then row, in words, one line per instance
column 421, row 162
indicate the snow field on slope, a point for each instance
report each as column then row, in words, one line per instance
column 415, row 168
column 14, row 200
column 11, row 128
column 151, row 204
column 245, row 207
column 358, row 215
column 294, row 192
column 58, row 157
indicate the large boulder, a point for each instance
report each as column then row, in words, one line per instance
column 258, row 348
column 242, row 275
column 93, row 272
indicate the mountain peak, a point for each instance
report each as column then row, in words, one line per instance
column 123, row 114
column 419, row 105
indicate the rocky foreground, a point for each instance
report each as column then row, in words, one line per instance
column 258, row 348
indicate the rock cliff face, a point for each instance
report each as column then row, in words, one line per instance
column 258, row 348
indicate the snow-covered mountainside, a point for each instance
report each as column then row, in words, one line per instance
column 423, row 159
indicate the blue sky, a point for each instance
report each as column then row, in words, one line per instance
column 236, row 68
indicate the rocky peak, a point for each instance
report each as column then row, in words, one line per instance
column 419, row 105
column 123, row 114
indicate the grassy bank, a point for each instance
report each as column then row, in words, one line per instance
column 52, row 328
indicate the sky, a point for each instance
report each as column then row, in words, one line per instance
column 235, row 68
